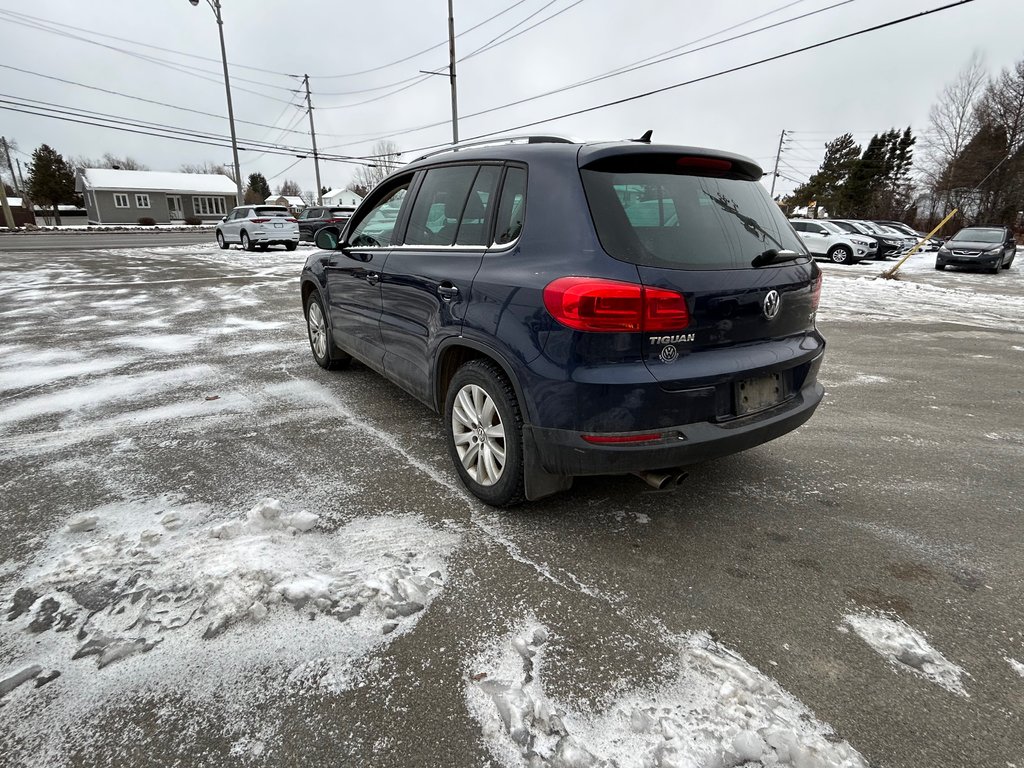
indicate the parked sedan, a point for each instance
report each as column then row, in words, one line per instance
column 888, row 244
column 991, row 248
column 312, row 220
column 930, row 244
column 823, row 238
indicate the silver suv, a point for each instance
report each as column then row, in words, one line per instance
column 825, row 239
column 258, row 226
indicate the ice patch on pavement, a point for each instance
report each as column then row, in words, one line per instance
column 716, row 711
column 1015, row 665
column 156, row 600
column 24, row 377
column 907, row 648
column 169, row 343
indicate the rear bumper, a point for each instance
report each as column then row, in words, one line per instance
column 275, row 236
column 564, row 452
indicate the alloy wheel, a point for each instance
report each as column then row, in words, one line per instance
column 479, row 434
column 317, row 330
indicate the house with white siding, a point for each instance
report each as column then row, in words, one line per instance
column 113, row 196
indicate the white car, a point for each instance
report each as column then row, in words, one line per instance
column 258, row 226
column 825, row 239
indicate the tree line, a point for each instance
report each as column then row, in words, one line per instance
column 972, row 160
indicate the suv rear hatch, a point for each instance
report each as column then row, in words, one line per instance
column 702, row 226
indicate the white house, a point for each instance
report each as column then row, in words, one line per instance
column 342, row 198
column 114, row 196
column 294, row 203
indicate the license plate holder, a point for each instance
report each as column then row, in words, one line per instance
column 757, row 394
column 277, row 225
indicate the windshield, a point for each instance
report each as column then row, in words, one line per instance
column 846, row 227
column 685, row 222
column 833, row 228
column 978, row 235
column 872, row 228
column 276, row 211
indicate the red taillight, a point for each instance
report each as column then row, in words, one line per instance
column 336, row 221
column 259, row 221
column 611, row 306
column 618, row 439
column 705, row 164
column 816, row 293
column 291, row 221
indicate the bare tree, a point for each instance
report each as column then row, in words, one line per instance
column 952, row 124
column 109, row 160
column 289, row 188
column 384, row 159
column 208, row 167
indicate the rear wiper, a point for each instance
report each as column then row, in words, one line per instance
column 772, row 256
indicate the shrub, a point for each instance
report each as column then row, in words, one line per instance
column 147, row 221
column 193, row 221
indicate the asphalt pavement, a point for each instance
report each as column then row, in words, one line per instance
column 901, row 497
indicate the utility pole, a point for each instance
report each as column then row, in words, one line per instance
column 8, row 216
column 312, row 134
column 21, row 179
column 7, row 151
column 451, row 73
column 778, row 156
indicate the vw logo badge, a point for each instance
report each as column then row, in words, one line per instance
column 772, row 303
column 669, row 353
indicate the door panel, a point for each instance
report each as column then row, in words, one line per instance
column 353, row 290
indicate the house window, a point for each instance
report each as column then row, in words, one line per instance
column 120, row 200
column 208, row 206
column 142, row 201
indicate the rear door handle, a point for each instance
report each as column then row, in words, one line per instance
column 447, row 291
column 372, row 277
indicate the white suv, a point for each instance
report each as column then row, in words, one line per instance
column 258, row 226
column 825, row 239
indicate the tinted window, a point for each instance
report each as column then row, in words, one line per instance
column 512, row 206
column 377, row 226
column 688, row 222
column 799, row 226
column 435, row 216
column 473, row 226
column 275, row 211
column 846, row 227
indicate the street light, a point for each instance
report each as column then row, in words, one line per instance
column 215, row 7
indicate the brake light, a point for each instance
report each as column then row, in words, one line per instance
column 816, row 293
column 259, row 221
column 292, row 221
column 612, row 306
column 705, row 163
column 619, row 439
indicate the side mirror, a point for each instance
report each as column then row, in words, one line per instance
column 326, row 239
column 223, row 219
column 822, row 231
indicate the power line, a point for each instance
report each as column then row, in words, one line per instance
column 720, row 73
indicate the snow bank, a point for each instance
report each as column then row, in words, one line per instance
column 907, row 648
column 718, row 711
column 137, row 601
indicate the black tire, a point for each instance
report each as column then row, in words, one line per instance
column 841, row 255
column 508, row 489
column 321, row 343
column 939, row 266
column 291, row 246
column 1010, row 262
column 222, row 242
column 247, row 244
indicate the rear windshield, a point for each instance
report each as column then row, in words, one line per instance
column 685, row 222
column 341, row 212
column 272, row 212
column 979, row 236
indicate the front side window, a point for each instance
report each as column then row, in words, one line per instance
column 142, row 201
column 120, row 200
column 376, row 228
column 682, row 221
column 435, row 216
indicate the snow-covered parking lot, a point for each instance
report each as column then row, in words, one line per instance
column 214, row 553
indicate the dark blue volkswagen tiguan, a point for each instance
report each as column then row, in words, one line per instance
column 576, row 309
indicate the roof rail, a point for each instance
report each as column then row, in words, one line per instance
column 497, row 141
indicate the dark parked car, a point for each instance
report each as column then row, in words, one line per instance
column 312, row 220
column 576, row 309
column 930, row 244
column 991, row 248
column 888, row 244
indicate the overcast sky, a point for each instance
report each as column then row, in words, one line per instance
column 864, row 85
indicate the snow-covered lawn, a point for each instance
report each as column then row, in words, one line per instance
column 130, row 367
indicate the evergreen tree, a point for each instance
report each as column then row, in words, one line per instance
column 827, row 185
column 51, row 179
column 258, row 190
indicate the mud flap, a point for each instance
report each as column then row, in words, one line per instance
column 538, row 482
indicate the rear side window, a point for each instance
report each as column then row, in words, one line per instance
column 512, row 207
column 681, row 221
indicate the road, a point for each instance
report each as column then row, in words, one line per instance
column 72, row 242
column 166, row 393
